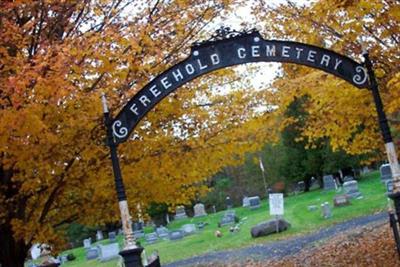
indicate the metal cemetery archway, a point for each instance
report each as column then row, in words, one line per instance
column 228, row 48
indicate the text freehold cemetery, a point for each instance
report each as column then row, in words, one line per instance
column 242, row 49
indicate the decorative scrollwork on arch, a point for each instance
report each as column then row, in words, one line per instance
column 224, row 33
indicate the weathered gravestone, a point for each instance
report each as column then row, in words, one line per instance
column 301, row 186
column 389, row 187
column 314, row 184
column 351, row 189
column 180, row 213
column 188, row 229
column 87, row 242
column 269, row 227
column 112, row 237
column 151, row 238
column 245, row 202
column 108, row 252
column 176, row 235
column 99, row 235
column 326, row 210
column 92, row 253
column 199, row 210
column 228, row 218
column 329, row 183
column 254, row 202
column 162, row 232
column 341, row 200
column 386, row 173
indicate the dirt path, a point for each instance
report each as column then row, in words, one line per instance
column 282, row 248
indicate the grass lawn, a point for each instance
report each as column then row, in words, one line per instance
column 296, row 212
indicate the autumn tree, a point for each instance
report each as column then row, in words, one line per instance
column 336, row 109
column 56, row 57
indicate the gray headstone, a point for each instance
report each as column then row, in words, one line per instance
column 245, row 202
column 351, row 189
column 386, row 173
column 199, row 210
column 314, row 183
column 326, row 210
column 175, row 235
column 228, row 218
column 389, row 187
column 254, row 202
column 137, row 226
column 329, row 183
column 162, row 232
column 188, row 229
column 341, row 200
column 112, row 236
column 108, row 252
column 151, row 238
column 180, row 213
column 138, row 234
column 87, row 242
column 99, row 235
column 92, row 253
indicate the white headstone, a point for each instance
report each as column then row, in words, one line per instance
column 87, row 243
column 276, row 204
column 245, row 202
column 351, row 189
column 99, row 235
column 199, row 210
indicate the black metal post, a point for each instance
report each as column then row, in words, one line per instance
column 131, row 252
column 390, row 149
column 393, row 225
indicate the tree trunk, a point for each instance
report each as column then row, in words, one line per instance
column 307, row 184
column 12, row 252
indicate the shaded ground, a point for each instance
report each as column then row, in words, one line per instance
column 316, row 249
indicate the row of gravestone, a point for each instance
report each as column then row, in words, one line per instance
column 329, row 183
column 103, row 252
column 199, row 211
column 350, row 191
column 165, row 234
column 112, row 237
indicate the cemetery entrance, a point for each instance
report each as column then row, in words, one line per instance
column 228, row 48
